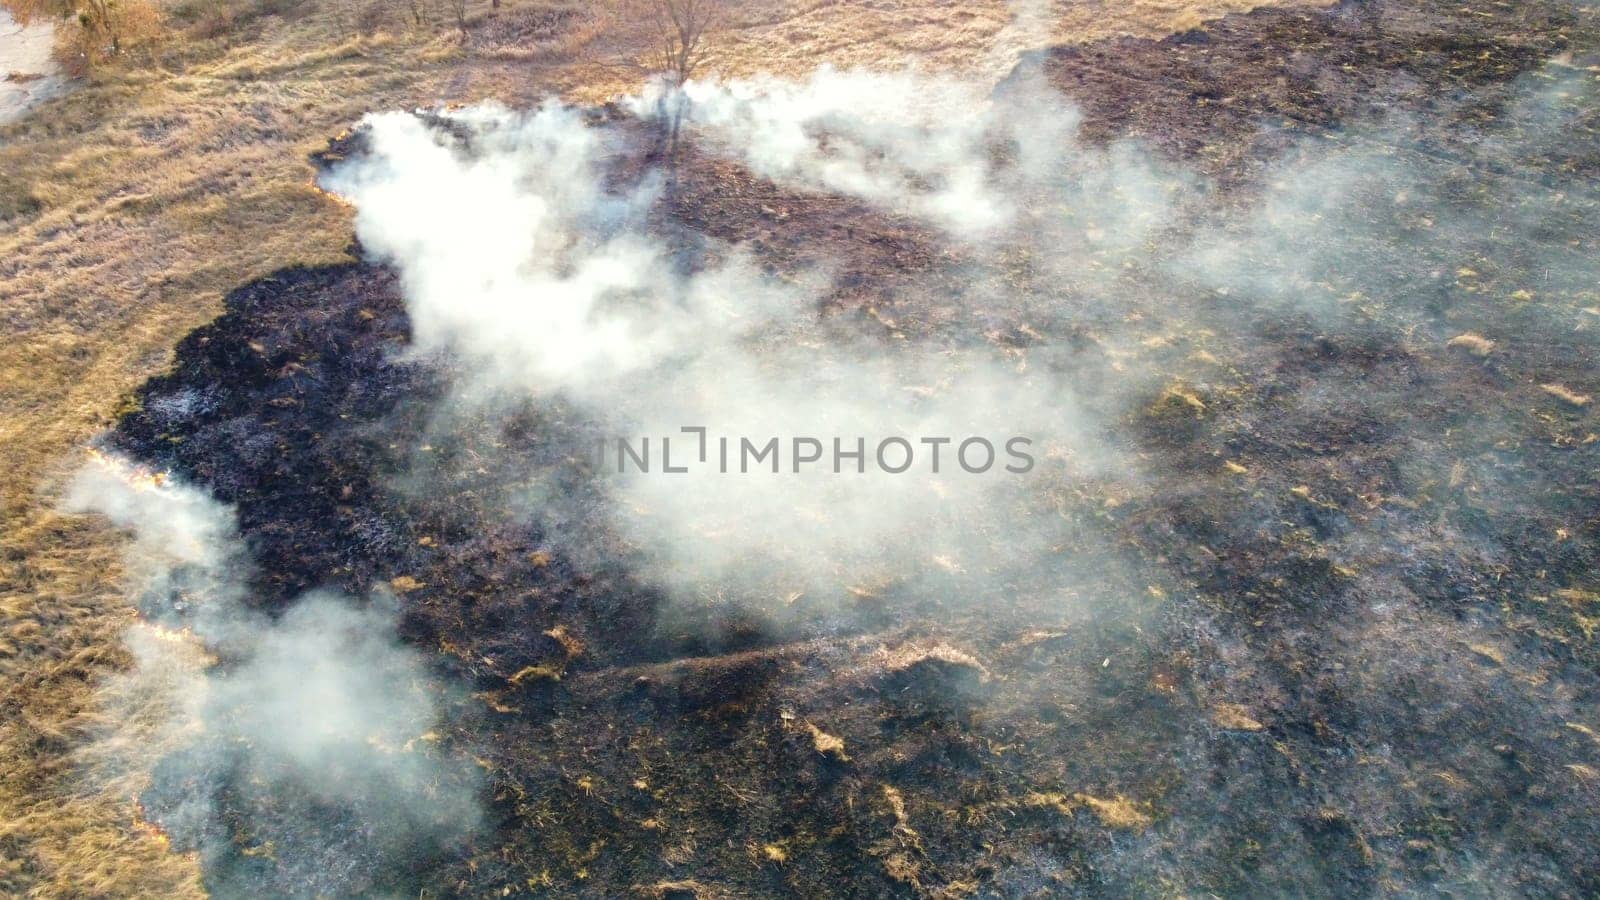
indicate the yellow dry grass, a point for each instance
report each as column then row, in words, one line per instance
column 137, row 201
column 981, row 37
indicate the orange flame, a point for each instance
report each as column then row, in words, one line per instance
column 140, row 478
column 153, row 830
column 182, row 635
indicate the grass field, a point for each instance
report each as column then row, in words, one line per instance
column 131, row 205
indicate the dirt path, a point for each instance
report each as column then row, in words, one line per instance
column 27, row 73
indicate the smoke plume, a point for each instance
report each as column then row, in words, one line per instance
column 311, row 737
column 1109, row 307
column 525, row 254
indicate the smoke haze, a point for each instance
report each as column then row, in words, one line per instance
column 577, row 297
column 1101, row 300
column 296, row 728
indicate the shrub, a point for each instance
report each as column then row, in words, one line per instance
column 90, row 32
column 373, row 17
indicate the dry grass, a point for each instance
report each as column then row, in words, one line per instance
column 135, row 203
column 792, row 38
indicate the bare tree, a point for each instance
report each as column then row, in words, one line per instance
column 681, row 28
column 419, row 13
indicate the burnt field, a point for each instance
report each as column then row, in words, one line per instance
column 1308, row 609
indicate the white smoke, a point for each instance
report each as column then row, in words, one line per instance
column 528, row 251
column 918, row 144
column 519, row 259
column 320, row 708
column 172, row 523
column 513, row 253
column 979, row 164
column 526, row 254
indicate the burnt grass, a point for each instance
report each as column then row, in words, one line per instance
column 1358, row 663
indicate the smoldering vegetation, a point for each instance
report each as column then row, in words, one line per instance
column 302, row 756
column 1298, row 599
column 645, row 329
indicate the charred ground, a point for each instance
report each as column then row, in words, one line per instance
column 1337, row 658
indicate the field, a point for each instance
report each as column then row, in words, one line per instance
column 1335, row 637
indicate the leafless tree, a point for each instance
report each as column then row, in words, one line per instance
column 420, row 14
column 459, row 8
column 681, row 29
column 372, row 17
column 680, row 33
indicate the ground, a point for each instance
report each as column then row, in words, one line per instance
column 1254, row 718
column 33, row 75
